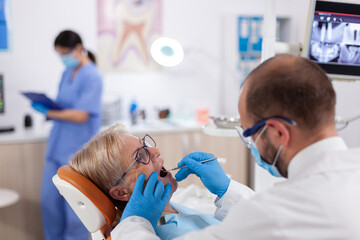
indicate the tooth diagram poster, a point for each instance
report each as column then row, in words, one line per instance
column 126, row 29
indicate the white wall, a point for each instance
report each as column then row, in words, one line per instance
column 32, row 64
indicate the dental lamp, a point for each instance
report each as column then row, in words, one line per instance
column 167, row 52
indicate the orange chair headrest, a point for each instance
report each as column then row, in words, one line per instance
column 84, row 185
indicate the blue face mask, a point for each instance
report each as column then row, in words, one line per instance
column 261, row 162
column 270, row 168
column 69, row 61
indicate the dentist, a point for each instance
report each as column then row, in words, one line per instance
column 287, row 108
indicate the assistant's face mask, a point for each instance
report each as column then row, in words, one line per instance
column 69, row 60
column 271, row 168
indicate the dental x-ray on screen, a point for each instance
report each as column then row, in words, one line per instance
column 334, row 37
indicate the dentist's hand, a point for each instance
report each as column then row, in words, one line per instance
column 150, row 203
column 211, row 173
column 40, row 108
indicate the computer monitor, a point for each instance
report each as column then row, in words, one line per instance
column 333, row 37
column 1, row 94
column 7, row 128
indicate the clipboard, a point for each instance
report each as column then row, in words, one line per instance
column 42, row 99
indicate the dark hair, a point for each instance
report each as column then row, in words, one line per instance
column 291, row 87
column 70, row 39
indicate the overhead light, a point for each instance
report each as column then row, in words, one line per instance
column 167, row 52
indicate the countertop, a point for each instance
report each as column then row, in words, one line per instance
column 41, row 133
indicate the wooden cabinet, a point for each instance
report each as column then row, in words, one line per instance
column 21, row 168
column 174, row 146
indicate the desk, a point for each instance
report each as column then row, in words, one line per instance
column 8, row 197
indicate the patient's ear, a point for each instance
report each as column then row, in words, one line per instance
column 121, row 193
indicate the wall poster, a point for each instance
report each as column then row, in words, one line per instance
column 126, row 29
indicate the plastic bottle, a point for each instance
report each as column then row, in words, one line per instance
column 133, row 112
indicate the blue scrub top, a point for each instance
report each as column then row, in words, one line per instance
column 83, row 92
column 187, row 220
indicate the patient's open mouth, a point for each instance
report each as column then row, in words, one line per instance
column 163, row 172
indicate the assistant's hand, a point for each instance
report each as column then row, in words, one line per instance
column 149, row 204
column 40, row 108
column 211, row 173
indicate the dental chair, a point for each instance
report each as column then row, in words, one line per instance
column 92, row 206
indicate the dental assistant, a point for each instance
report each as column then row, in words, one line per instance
column 79, row 95
column 287, row 112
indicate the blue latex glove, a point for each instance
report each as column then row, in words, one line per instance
column 211, row 173
column 148, row 204
column 40, row 108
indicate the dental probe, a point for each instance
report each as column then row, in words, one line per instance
column 203, row 161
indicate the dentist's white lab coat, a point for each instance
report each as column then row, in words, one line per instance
column 320, row 200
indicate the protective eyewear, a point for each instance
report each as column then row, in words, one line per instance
column 245, row 134
column 67, row 53
column 142, row 155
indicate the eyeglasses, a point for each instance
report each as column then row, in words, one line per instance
column 142, row 154
column 245, row 134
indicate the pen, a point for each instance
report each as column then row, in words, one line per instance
column 203, row 161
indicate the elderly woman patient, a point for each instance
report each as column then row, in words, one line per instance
column 114, row 159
